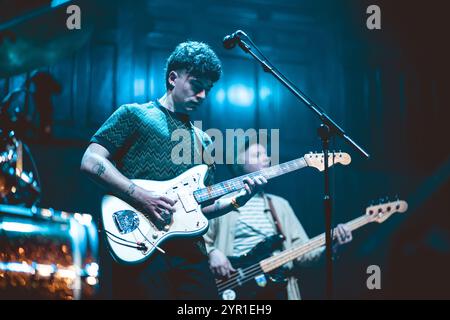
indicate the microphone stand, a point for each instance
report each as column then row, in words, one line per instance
column 326, row 131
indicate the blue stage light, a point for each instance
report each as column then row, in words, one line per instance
column 264, row 93
column 139, row 87
column 241, row 95
column 220, row 96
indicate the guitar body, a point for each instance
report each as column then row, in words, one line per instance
column 247, row 281
column 132, row 237
column 271, row 286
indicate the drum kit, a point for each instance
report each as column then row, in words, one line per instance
column 44, row 253
column 47, row 254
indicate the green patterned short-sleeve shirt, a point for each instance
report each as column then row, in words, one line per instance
column 139, row 139
column 138, row 136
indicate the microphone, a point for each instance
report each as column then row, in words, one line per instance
column 230, row 41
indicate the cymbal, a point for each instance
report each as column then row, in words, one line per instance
column 39, row 39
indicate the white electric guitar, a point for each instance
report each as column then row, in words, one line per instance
column 132, row 237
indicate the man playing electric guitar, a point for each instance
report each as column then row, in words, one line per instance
column 137, row 138
column 238, row 232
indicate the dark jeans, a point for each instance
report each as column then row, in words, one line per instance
column 182, row 273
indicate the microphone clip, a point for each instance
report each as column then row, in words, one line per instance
column 230, row 41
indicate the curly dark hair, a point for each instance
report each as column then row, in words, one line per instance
column 197, row 58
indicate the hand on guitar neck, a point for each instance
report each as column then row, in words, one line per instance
column 342, row 234
column 252, row 185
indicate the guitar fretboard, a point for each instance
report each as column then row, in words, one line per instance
column 217, row 190
column 278, row 260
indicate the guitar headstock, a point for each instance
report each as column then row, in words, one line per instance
column 381, row 212
column 316, row 160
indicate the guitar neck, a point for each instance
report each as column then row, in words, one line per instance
column 278, row 260
column 217, row 190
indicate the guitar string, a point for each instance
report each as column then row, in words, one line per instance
column 234, row 279
column 292, row 252
column 253, row 271
column 292, row 165
column 300, row 250
column 297, row 251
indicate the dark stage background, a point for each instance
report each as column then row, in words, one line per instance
column 387, row 88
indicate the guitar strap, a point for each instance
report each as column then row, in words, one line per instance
column 275, row 217
column 200, row 146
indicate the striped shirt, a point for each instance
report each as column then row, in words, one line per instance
column 253, row 225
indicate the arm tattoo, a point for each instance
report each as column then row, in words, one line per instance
column 131, row 189
column 99, row 168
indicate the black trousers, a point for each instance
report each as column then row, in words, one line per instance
column 182, row 273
